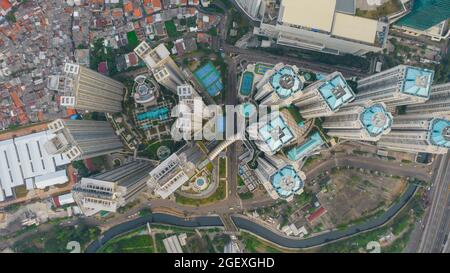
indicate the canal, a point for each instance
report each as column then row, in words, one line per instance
column 257, row 229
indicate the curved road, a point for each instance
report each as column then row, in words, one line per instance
column 257, row 229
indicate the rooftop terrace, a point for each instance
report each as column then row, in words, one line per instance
column 286, row 182
column 440, row 133
column 418, row 81
column 276, row 133
column 336, row 92
column 376, row 119
column 286, row 82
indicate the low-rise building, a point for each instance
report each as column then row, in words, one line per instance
column 25, row 162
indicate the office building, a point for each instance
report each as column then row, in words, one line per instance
column 400, row 85
column 328, row 26
column 90, row 90
column 25, row 162
column 325, row 97
column 80, row 139
column 113, row 189
column 251, row 7
column 368, row 121
column 414, row 134
column 279, row 85
column 278, row 178
column 168, row 176
column 165, row 71
column 438, row 104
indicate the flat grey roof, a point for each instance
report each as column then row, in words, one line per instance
column 346, row 6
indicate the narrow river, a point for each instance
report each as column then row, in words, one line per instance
column 246, row 224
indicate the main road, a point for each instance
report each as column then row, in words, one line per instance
column 437, row 219
column 262, row 56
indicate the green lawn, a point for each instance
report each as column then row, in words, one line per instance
column 246, row 195
column 294, row 111
column 129, row 244
column 218, row 195
column 159, row 242
column 99, row 162
column 81, row 168
column 240, row 181
column 171, row 29
column 55, row 240
column 151, row 149
column 254, row 245
column 132, row 39
column 304, row 198
column 310, row 160
column 222, row 167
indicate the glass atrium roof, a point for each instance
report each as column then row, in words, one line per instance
column 440, row 133
column 286, row 82
column 418, row 81
column 275, row 133
column 286, row 181
column 376, row 119
column 336, row 92
column 310, row 145
column 426, row 13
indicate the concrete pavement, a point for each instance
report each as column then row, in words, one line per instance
column 438, row 216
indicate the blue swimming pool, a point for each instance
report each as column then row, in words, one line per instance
column 247, row 83
column 155, row 113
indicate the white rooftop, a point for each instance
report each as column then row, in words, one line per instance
column 24, row 158
column 322, row 15
column 50, row 179
column 356, row 28
column 315, row 14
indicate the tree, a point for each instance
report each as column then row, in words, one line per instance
column 10, row 17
